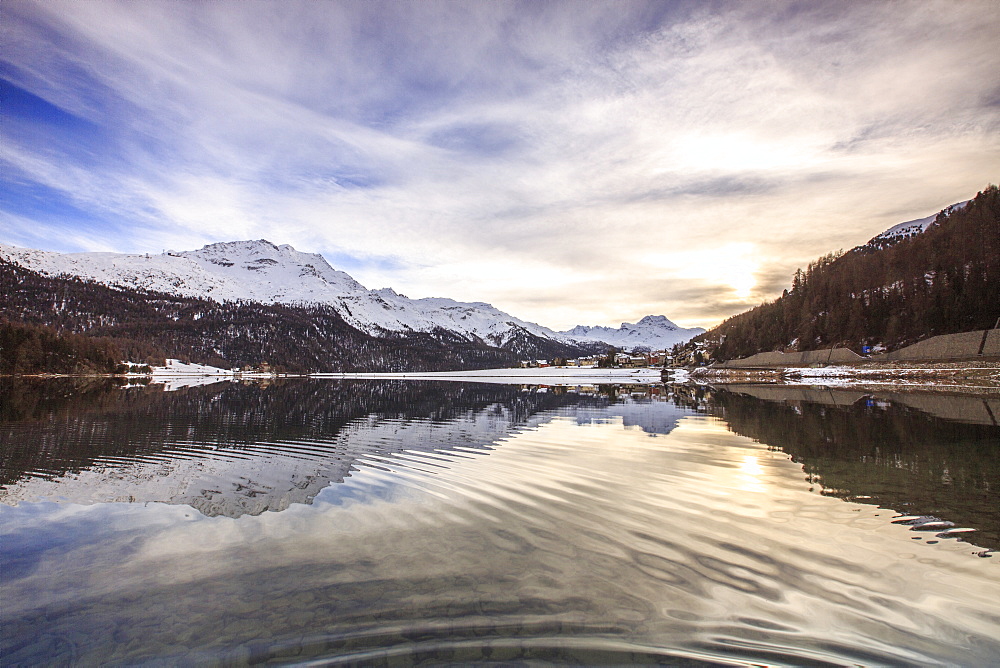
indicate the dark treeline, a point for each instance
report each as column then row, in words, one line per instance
column 51, row 319
column 942, row 281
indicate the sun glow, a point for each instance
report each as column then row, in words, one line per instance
column 734, row 265
column 737, row 152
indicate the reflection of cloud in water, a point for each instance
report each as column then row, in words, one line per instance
column 566, row 534
column 652, row 417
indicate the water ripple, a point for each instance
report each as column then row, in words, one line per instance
column 550, row 536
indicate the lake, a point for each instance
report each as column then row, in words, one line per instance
column 396, row 522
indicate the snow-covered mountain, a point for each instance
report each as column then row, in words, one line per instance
column 263, row 272
column 653, row 331
column 910, row 228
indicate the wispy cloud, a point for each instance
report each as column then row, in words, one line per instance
column 570, row 162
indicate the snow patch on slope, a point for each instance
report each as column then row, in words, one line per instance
column 913, row 227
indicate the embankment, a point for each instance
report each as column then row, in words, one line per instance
column 980, row 345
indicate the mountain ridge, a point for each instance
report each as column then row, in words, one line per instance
column 264, row 272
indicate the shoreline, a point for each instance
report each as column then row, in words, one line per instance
column 957, row 376
column 980, row 373
column 548, row 373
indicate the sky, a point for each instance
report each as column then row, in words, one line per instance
column 576, row 162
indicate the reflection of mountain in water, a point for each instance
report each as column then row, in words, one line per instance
column 894, row 449
column 233, row 449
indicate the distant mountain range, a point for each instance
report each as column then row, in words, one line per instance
column 259, row 279
column 925, row 277
column 653, row 331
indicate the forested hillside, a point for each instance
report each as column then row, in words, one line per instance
column 39, row 349
column 40, row 311
column 942, row 281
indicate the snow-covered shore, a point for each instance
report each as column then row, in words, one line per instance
column 544, row 374
column 176, row 372
column 176, row 368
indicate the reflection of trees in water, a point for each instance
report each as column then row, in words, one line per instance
column 882, row 453
column 51, row 427
column 694, row 398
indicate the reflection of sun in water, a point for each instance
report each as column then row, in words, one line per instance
column 750, row 474
column 751, row 466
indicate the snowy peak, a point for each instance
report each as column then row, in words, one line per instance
column 653, row 331
column 278, row 266
column 578, row 331
column 227, row 253
column 652, row 322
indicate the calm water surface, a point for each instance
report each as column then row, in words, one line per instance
column 374, row 522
